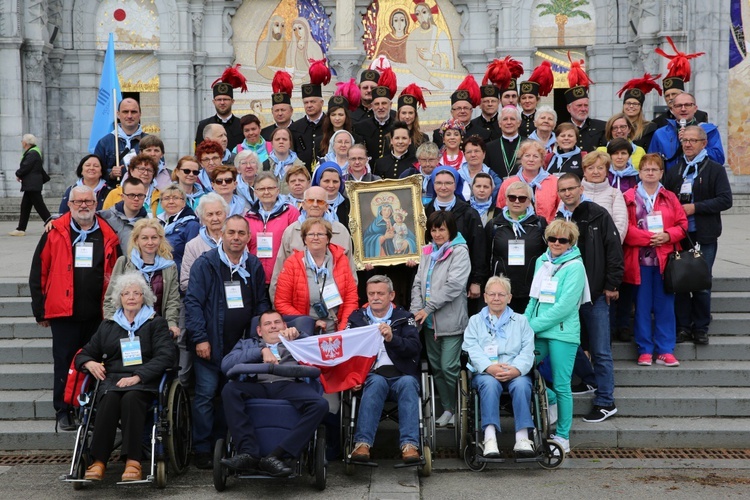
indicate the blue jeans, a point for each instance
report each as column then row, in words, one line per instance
column 595, row 318
column 651, row 297
column 207, row 416
column 693, row 311
column 490, row 389
column 620, row 309
column 405, row 391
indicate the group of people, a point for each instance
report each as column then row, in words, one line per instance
column 541, row 236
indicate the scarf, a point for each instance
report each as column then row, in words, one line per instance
column 687, row 174
column 149, row 195
column 258, row 148
column 551, row 142
column 435, row 256
column 265, row 214
column 568, row 214
column 497, row 327
column 536, row 182
column 82, row 233
column 159, row 264
column 170, row 227
column 480, row 206
column 558, row 159
column 452, row 163
column 98, row 187
column 333, row 205
column 237, row 207
column 280, row 166
column 628, row 171
column 205, row 180
column 235, row 268
column 549, row 269
column 648, row 200
column 203, row 232
column 439, row 205
column 319, row 271
column 245, row 190
column 122, row 135
column 143, row 315
column 376, row 321
column 517, row 223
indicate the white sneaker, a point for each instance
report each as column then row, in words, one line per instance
column 445, row 419
column 524, row 448
column 490, row 449
column 552, row 414
column 565, row 443
column 16, row 232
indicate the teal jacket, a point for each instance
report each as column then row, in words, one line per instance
column 559, row 321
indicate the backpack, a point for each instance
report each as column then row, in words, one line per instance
column 73, row 384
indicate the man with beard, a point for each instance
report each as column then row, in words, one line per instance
column 223, row 101
column 428, row 49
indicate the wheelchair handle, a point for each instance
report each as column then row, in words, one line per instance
column 296, row 371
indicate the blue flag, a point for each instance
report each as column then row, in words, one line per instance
column 104, row 118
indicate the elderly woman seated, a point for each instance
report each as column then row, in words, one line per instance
column 128, row 355
column 500, row 344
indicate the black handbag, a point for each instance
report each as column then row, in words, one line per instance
column 686, row 271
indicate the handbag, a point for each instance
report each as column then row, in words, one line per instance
column 45, row 177
column 686, row 271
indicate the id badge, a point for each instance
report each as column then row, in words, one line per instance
column 233, row 293
column 654, row 222
column 331, row 295
column 491, row 351
column 131, row 351
column 516, row 252
column 686, row 188
column 548, row 291
column 265, row 245
column 84, row 254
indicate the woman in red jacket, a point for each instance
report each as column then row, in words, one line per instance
column 656, row 224
column 318, row 281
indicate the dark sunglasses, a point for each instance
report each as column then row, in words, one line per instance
column 224, row 181
column 187, row 171
column 554, row 239
column 515, row 198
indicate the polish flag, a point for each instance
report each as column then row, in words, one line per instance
column 344, row 358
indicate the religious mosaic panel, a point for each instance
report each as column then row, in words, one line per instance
column 738, row 128
column 562, row 22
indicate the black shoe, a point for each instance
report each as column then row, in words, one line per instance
column 66, row 422
column 624, row 334
column 203, row 460
column 274, row 467
column 241, row 463
column 700, row 337
column 683, row 335
column 600, row 413
column 582, row 388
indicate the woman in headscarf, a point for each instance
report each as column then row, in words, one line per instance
column 329, row 177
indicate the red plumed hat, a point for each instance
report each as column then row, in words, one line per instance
column 637, row 88
column 233, row 77
column 350, row 91
column 388, row 80
column 319, row 72
column 467, row 90
column 679, row 63
column 412, row 96
column 541, row 79
column 501, row 71
column 577, row 77
column 282, row 83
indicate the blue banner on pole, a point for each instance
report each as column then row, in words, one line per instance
column 104, row 118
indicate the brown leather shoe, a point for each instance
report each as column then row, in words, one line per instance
column 410, row 453
column 95, row 471
column 133, row 471
column 361, row 453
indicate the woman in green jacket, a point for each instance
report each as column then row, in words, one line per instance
column 558, row 289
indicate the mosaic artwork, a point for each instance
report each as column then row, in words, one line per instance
column 738, row 127
column 135, row 24
column 562, row 22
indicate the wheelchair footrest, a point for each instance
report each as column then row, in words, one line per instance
column 349, row 461
column 69, row 479
column 242, row 475
column 481, row 459
column 150, row 479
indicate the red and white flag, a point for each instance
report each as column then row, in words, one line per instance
column 344, row 358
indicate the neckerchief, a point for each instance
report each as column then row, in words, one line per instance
column 235, row 268
column 143, row 315
column 319, row 271
column 98, row 187
column 569, row 214
column 497, row 327
column 149, row 195
column 265, row 214
column 326, row 216
column 205, row 180
column 280, row 166
column 203, row 232
column 550, row 142
column 648, row 200
column 237, row 206
column 245, row 190
column 82, row 233
column 376, row 321
column 480, row 206
column 259, row 148
column 439, row 205
column 517, row 223
column 536, row 182
column 687, row 174
column 333, row 205
column 122, row 135
column 159, row 264
column 559, row 159
column 628, row 171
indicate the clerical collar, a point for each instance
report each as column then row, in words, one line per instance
column 315, row 121
column 223, row 120
column 510, row 139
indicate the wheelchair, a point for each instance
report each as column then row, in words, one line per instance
column 272, row 418
column 349, row 412
column 468, row 428
column 167, row 436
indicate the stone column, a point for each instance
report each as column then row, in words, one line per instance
column 346, row 53
column 55, row 123
column 11, row 111
column 217, row 44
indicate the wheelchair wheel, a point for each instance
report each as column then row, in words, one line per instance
column 220, row 472
column 541, row 392
column 180, row 430
column 320, row 458
column 426, row 469
column 161, row 474
column 428, row 409
column 470, row 458
column 348, row 466
column 80, row 472
column 554, row 455
column 462, row 419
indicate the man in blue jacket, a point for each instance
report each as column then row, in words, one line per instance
column 394, row 375
column 226, row 290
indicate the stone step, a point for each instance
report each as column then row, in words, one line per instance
column 33, row 435
column 723, row 302
column 22, row 328
column 26, row 376
column 721, row 348
column 730, row 323
column 14, row 287
column 693, row 373
column 21, row 405
column 15, row 306
column 25, row 350
column 731, row 284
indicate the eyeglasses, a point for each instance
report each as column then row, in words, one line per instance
column 188, row 171
column 131, row 294
column 650, row 170
column 144, row 169
column 266, row 189
column 567, row 190
column 620, row 127
column 445, row 184
column 172, row 198
column 555, row 239
column 462, row 108
column 686, row 105
column 316, row 236
column 248, row 163
column 133, row 196
column 691, row 141
column 496, row 295
column 513, row 198
column 88, row 203
column 213, row 160
column 320, row 203
column 427, row 161
column 224, row 180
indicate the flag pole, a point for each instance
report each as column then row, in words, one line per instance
column 117, row 136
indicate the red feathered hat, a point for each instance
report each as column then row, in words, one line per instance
column 412, row 96
column 231, row 79
column 349, row 91
column 637, row 88
column 319, row 75
column 578, row 80
column 282, row 87
column 503, row 73
column 467, row 90
column 541, row 81
column 387, row 85
column 678, row 68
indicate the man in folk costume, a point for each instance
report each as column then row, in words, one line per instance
column 223, row 89
column 591, row 130
column 375, row 130
column 308, row 130
column 539, row 85
column 281, row 103
column 463, row 101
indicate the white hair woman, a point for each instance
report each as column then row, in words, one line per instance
column 32, row 177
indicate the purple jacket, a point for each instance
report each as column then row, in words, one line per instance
column 625, row 182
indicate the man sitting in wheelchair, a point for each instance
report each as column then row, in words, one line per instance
column 500, row 344
column 304, row 397
column 395, row 374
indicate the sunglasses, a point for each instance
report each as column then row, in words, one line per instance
column 225, row 181
column 554, row 239
column 187, row 171
column 514, row 198
column 320, row 203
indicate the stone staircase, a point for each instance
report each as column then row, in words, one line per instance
column 703, row 403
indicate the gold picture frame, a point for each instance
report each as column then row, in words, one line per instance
column 391, row 239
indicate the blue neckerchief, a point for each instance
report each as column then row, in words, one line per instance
column 333, row 205
column 567, row 213
column 687, row 174
column 558, row 159
column 143, row 315
column 497, row 327
column 82, row 233
column 203, row 232
column 517, row 224
column 439, row 205
column 279, row 169
column 551, row 142
column 463, row 171
column 237, row 207
column 258, row 148
column 235, row 268
column 159, row 264
column 326, row 216
column 425, row 182
column 480, row 206
column 122, row 135
column 319, row 271
column 289, row 199
column 245, row 190
column 557, row 259
column 149, row 195
column 205, row 180
column 227, row 156
column 170, row 227
column 98, row 187
column 534, row 183
column 648, row 200
column 385, row 319
column 628, row 171
column 191, row 199
column 265, row 214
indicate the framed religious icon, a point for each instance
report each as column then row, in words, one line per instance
column 387, row 221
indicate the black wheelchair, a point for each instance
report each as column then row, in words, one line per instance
column 350, row 410
column 468, row 428
column 167, row 436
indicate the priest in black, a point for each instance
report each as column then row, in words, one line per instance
column 502, row 154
